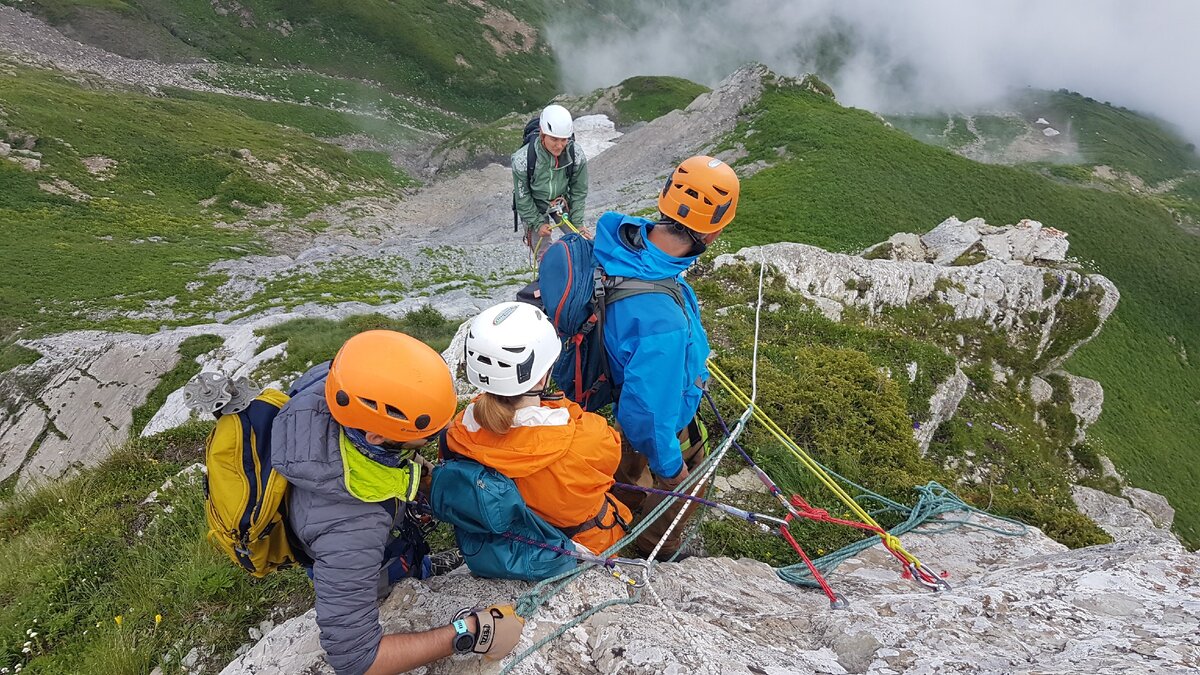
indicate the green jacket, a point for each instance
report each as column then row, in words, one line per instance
column 549, row 183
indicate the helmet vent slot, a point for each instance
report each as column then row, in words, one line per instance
column 369, row 403
column 395, row 412
column 485, row 360
column 513, row 350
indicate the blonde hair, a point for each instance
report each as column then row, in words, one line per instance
column 495, row 413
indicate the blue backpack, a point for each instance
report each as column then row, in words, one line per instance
column 575, row 293
column 484, row 505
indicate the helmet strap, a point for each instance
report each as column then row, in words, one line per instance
column 699, row 246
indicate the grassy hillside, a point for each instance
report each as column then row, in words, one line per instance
column 644, row 98
column 98, row 582
column 1115, row 136
column 115, row 199
column 846, row 181
column 478, row 58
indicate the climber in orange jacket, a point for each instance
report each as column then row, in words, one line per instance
column 561, row 458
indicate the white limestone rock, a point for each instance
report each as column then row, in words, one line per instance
column 595, row 134
column 454, row 356
column 1153, row 505
column 1004, row 296
column 907, row 247
column 1040, row 390
column 942, row 407
column 1017, row 604
column 742, row 481
column 1087, row 402
column 950, row 239
column 1122, row 520
column 998, row 247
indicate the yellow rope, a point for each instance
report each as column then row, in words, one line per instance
column 890, row 541
column 538, row 248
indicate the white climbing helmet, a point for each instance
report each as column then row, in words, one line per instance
column 509, row 347
column 556, row 122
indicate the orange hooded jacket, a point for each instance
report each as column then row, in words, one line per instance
column 562, row 460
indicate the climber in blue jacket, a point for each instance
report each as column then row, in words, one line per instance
column 657, row 348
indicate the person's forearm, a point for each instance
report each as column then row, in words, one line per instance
column 401, row 652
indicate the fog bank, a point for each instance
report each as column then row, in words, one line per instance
column 914, row 55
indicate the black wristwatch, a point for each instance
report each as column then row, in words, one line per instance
column 464, row 639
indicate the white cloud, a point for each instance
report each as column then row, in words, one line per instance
column 1143, row 55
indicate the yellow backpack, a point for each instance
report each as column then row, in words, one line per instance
column 246, row 500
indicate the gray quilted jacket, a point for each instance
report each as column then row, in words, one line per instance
column 345, row 537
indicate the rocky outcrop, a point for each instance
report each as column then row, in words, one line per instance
column 949, row 240
column 1019, row 300
column 1018, row 604
column 1040, row 390
column 1141, row 519
column 73, row 406
column 954, row 242
column 1153, row 505
column 942, row 407
column 1087, row 402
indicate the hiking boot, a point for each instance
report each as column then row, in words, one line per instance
column 444, row 562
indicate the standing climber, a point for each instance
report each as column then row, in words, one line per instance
column 656, row 346
column 345, row 444
column 550, row 178
column 561, row 458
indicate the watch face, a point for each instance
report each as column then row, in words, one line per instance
column 463, row 642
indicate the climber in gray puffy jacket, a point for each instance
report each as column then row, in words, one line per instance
column 344, row 442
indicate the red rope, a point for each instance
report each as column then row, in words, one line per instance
column 783, row 531
column 805, row 510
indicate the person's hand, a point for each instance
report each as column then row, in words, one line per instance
column 498, row 631
column 673, row 483
column 545, row 231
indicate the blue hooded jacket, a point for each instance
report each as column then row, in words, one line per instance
column 657, row 352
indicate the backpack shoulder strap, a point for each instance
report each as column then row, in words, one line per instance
column 530, row 162
column 571, row 152
column 619, row 288
column 444, row 452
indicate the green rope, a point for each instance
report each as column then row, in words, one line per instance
column 933, row 500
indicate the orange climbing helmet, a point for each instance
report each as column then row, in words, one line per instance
column 701, row 194
column 392, row 384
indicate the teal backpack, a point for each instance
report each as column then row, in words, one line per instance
column 484, row 506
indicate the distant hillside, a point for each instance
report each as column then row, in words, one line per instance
column 476, row 57
column 124, row 199
column 1066, row 134
column 839, row 178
